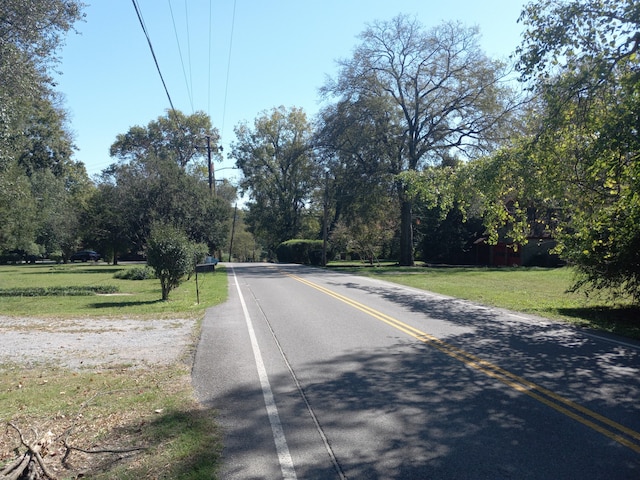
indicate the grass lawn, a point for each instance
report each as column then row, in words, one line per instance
column 114, row 408
column 122, row 407
column 539, row 291
column 139, row 298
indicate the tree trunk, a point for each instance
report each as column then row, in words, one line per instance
column 406, row 234
column 164, row 283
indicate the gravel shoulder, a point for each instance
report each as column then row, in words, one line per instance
column 94, row 342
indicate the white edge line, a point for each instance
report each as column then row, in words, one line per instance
column 284, row 457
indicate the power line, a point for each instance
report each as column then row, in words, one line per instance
column 184, row 72
column 186, row 14
column 209, row 71
column 226, row 87
column 153, row 54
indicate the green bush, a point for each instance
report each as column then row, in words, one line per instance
column 170, row 255
column 307, row 252
column 136, row 273
column 58, row 291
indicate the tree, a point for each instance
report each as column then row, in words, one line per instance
column 30, row 34
column 135, row 195
column 245, row 247
column 175, row 136
column 18, row 211
column 154, row 181
column 578, row 36
column 169, row 254
column 277, row 162
column 447, row 94
column 105, row 222
column 356, row 142
column 35, row 143
column 581, row 58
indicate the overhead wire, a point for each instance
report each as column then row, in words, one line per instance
column 186, row 15
column 184, row 72
column 226, row 87
column 209, row 69
column 153, row 54
column 189, row 78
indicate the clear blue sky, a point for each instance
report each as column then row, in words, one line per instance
column 280, row 53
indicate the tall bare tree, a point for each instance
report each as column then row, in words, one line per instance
column 445, row 92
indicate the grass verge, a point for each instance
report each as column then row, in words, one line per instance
column 137, row 298
column 538, row 291
column 138, row 422
column 141, row 425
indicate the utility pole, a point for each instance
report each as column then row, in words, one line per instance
column 212, row 179
column 233, row 229
column 325, row 215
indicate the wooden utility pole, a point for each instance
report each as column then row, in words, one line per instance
column 325, row 215
column 233, row 229
column 212, row 177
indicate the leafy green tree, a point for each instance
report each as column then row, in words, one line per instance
column 280, row 174
column 44, row 142
column 135, row 195
column 18, row 211
column 581, row 58
column 154, row 181
column 34, row 140
column 175, row 136
column 105, row 222
column 170, row 255
column 357, row 144
column 445, row 92
column 245, row 246
column 583, row 38
column 30, row 34
column 446, row 209
column 366, row 237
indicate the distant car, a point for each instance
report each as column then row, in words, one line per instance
column 209, row 259
column 85, row 256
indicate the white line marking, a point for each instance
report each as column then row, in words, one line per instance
column 303, row 395
column 611, row 340
column 284, row 457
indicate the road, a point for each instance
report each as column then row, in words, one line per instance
column 322, row 375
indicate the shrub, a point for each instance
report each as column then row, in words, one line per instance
column 170, row 255
column 136, row 273
column 71, row 291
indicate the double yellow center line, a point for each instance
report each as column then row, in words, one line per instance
column 615, row 431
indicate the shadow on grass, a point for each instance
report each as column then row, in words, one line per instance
column 125, row 303
column 180, row 444
column 75, row 269
column 621, row 320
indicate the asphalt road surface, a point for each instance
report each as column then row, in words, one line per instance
column 322, row 375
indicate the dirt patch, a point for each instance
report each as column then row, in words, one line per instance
column 86, row 342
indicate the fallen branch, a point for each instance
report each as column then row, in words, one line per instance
column 95, row 451
column 67, row 434
column 25, row 467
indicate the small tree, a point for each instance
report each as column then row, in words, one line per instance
column 170, row 254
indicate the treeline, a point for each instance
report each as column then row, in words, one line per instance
column 425, row 148
column 48, row 205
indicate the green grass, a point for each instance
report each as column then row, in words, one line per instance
column 116, row 407
column 113, row 409
column 538, row 291
column 139, row 298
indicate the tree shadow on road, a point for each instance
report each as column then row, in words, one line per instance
column 455, row 422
